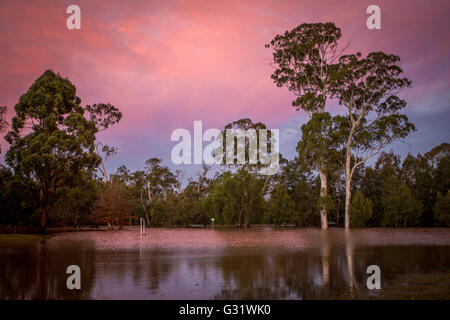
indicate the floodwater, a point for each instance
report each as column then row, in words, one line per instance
column 257, row 263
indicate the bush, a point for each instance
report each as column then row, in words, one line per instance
column 442, row 210
column 400, row 208
column 360, row 210
column 281, row 208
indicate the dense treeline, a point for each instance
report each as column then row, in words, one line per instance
column 55, row 172
column 391, row 193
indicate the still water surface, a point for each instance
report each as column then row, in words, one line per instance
column 258, row 263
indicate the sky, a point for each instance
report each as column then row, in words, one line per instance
column 165, row 64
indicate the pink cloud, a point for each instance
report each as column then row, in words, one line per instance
column 167, row 63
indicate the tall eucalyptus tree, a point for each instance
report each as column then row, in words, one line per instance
column 305, row 61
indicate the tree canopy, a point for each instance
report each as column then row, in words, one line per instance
column 52, row 142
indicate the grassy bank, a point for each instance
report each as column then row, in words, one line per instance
column 15, row 240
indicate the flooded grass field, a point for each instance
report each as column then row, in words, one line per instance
column 255, row 263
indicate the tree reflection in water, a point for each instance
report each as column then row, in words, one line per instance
column 229, row 264
column 39, row 272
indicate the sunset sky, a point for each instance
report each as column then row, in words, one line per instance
column 168, row 63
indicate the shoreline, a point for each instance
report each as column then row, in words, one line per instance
column 34, row 231
column 17, row 240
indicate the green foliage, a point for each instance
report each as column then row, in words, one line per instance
column 439, row 159
column 61, row 142
column 247, row 135
column 236, row 199
column 317, row 146
column 52, row 142
column 192, row 205
column 325, row 202
column 74, row 201
column 168, row 211
column 367, row 88
column 17, row 198
column 180, row 209
column 361, row 210
column 148, row 187
column 103, row 115
column 417, row 173
column 442, row 210
column 161, row 179
column 400, row 207
column 373, row 182
column 302, row 187
column 424, row 176
column 53, row 158
column 281, row 208
column 304, row 60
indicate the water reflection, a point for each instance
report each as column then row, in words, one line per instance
column 230, row 264
column 349, row 254
column 39, row 271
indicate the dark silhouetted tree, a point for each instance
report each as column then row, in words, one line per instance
column 442, row 210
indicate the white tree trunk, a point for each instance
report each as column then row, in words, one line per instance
column 323, row 193
column 351, row 270
column 150, row 201
column 349, row 173
column 348, row 197
column 348, row 192
column 105, row 174
column 325, row 260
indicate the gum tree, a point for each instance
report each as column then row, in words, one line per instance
column 318, row 144
column 236, row 199
column 246, row 139
column 159, row 182
column 147, row 186
column 305, row 61
column 104, row 115
column 367, row 88
column 51, row 140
